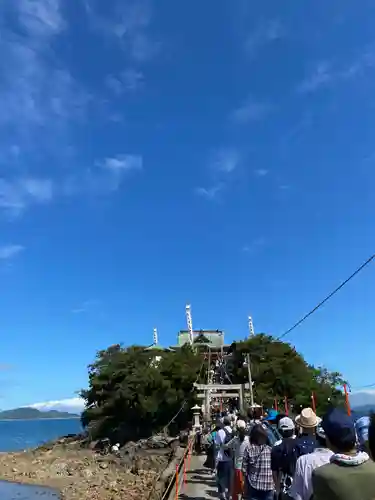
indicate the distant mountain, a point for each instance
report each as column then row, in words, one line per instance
column 364, row 410
column 33, row 413
column 362, row 398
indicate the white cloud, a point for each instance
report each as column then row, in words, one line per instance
column 40, row 17
column 225, row 160
column 16, row 195
column 265, row 33
column 261, row 172
column 71, row 405
column 9, row 251
column 321, row 76
column 127, row 81
column 325, row 73
column 85, row 306
column 128, row 24
column 122, row 163
column 250, row 110
column 209, row 193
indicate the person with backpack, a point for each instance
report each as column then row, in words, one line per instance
column 238, row 444
column 302, row 480
column 224, row 461
column 283, row 457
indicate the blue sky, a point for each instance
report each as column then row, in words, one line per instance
column 157, row 153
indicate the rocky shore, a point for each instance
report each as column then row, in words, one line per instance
column 80, row 473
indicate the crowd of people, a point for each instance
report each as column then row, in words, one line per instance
column 275, row 457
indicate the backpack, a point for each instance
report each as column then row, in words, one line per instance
column 228, row 437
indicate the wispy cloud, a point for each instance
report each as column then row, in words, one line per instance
column 127, row 81
column 210, row 193
column 254, row 246
column 321, row 76
column 261, row 172
column 42, row 18
column 266, row 32
column 10, row 251
column 18, row 194
column 326, row 73
column 85, row 306
column 222, row 164
column 250, row 110
column 225, row 160
column 129, row 24
column 122, row 163
column 39, row 95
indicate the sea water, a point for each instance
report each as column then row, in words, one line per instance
column 17, row 435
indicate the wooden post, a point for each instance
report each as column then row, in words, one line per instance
column 286, row 405
column 347, row 400
column 275, row 404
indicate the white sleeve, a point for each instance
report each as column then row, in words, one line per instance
column 218, row 438
column 297, row 488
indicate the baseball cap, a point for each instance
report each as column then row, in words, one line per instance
column 272, row 414
column 339, row 427
column 361, row 427
column 241, row 424
column 286, row 424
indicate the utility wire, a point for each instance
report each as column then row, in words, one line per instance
column 328, row 297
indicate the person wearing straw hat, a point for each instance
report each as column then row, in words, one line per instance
column 307, row 422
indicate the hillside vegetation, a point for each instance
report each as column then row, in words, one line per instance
column 33, row 414
column 129, row 396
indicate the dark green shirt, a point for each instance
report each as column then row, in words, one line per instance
column 343, row 482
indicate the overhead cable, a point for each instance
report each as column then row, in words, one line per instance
column 318, row 306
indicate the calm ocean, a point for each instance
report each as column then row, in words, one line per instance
column 16, row 435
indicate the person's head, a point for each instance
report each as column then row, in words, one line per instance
column 227, row 421
column 361, row 429
column 307, row 421
column 339, row 430
column 258, row 435
column 257, row 412
column 286, row 427
column 320, row 437
column 271, row 416
column 371, row 436
column 241, row 429
column 219, row 425
column 250, row 413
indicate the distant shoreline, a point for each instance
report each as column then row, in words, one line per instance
column 39, row 418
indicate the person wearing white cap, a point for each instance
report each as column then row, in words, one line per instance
column 302, row 481
column 238, row 444
column 281, row 456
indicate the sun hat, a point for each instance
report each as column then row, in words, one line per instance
column 308, row 419
column 361, row 427
column 286, row 424
column 272, row 414
column 338, row 426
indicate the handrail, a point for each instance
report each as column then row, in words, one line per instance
column 179, row 466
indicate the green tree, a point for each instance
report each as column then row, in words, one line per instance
column 129, row 396
column 278, row 371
